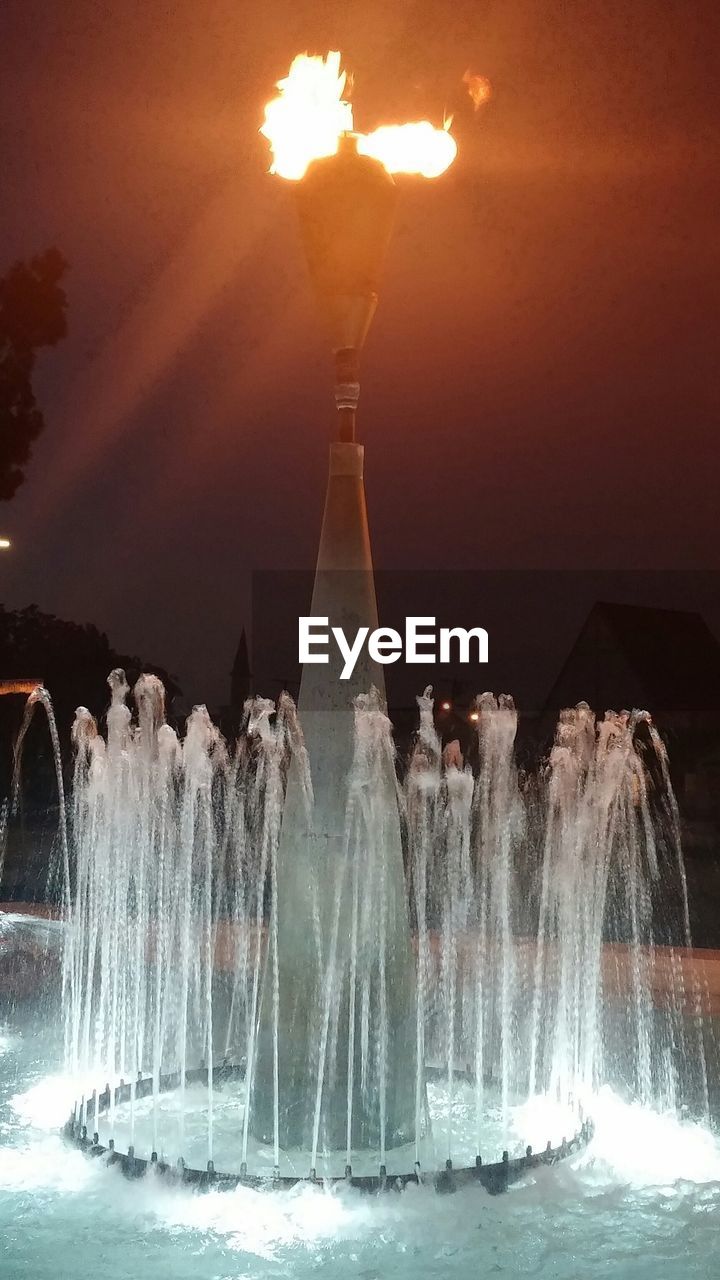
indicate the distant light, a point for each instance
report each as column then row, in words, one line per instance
column 5, row 543
column 474, row 715
column 19, row 686
column 445, row 706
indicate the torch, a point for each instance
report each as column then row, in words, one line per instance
column 347, row 207
column 346, row 199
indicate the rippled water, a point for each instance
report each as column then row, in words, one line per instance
column 644, row 1201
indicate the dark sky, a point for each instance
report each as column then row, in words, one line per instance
column 541, row 383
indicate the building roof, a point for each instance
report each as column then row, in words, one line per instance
column 241, row 662
column 662, row 659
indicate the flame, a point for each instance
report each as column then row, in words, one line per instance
column 410, row 148
column 305, row 121
column 479, row 88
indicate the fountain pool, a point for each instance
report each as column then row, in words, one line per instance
column 642, row 1202
column 543, row 912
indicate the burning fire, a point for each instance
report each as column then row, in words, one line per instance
column 306, row 120
column 410, row 148
column 479, row 88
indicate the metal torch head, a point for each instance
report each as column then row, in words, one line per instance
column 346, row 204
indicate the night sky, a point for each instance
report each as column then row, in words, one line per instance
column 540, row 386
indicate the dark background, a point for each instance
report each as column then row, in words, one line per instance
column 540, row 386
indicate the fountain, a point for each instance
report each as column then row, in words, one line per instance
column 282, row 963
column 293, row 962
column 515, row 887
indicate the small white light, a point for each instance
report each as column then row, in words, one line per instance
column 5, row 543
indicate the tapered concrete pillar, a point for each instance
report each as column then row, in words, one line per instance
column 337, row 1041
column 309, row 905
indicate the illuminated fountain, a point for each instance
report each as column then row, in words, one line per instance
column 514, row 889
column 281, row 964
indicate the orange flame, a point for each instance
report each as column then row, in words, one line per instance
column 410, row 148
column 305, row 121
column 479, row 88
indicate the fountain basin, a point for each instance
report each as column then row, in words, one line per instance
column 495, row 1175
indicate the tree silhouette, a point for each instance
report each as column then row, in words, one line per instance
column 32, row 315
column 73, row 660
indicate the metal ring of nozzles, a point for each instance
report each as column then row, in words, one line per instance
column 495, row 1177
